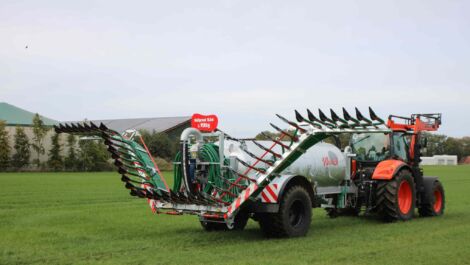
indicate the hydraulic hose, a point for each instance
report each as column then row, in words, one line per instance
column 177, row 173
column 209, row 152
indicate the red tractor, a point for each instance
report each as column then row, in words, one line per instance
column 385, row 168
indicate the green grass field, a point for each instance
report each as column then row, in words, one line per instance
column 89, row 218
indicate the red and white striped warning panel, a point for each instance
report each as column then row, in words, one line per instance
column 244, row 195
column 270, row 193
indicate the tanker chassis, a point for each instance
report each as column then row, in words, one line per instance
column 225, row 181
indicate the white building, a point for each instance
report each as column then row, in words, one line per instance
column 448, row 160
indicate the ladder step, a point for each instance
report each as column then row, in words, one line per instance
column 291, row 123
column 275, row 141
column 257, row 158
column 250, row 166
column 266, row 149
column 293, row 137
column 234, row 184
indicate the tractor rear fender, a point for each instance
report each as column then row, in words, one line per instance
column 302, row 181
column 387, row 169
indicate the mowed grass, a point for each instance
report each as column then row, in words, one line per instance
column 89, row 218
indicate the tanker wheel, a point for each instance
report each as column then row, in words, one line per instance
column 294, row 215
column 435, row 205
column 396, row 198
column 241, row 219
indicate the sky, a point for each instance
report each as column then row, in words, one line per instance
column 244, row 61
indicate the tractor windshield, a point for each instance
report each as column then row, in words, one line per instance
column 370, row 147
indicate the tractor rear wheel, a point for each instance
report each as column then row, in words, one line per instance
column 396, row 198
column 435, row 204
column 294, row 215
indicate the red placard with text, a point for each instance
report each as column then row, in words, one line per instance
column 206, row 123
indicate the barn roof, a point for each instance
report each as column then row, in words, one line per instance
column 13, row 116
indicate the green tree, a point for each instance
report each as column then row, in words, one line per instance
column 93, row 156
column 341, row 140
column 22, row 153
column 453, row 146
column 435, row 144
column 466, row 146
column 275, row 135
column 263, row 135
column 39, row 131
column 159, row 144
column 55, row 161
column 4, row 147
column 71, row 161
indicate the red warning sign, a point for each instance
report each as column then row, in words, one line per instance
column 207, row 123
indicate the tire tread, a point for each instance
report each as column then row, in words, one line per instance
column 386, row 195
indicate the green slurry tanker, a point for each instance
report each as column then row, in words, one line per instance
column 276, row 182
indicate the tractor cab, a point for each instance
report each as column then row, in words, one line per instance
column 376, row 147
column 401, row 143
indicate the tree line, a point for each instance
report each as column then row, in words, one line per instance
column 79, row 156
column 439, row 144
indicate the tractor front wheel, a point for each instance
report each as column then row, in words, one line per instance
column 396, row 198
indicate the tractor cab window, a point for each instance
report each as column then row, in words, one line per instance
column 370, row 147
column 401, row 145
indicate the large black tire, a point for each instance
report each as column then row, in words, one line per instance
column 396, row 198
column 294, row 215
column 241, row 219
column 435, row 203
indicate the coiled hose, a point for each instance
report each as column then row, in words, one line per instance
column 209, row 152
